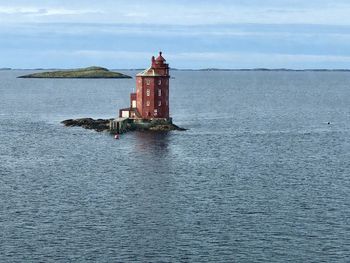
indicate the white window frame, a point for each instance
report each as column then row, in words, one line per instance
column 159, row 82
column 125, row 114
column 159, row 92
column 148, row 82
column 148, row 103
column 148, row 92
column 159, row 103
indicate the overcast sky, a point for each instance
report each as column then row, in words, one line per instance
column 192, row 34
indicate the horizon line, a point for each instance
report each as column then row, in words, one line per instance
column 196, row 69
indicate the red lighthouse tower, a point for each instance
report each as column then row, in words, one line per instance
column 151, row 100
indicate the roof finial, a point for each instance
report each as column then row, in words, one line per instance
column 160, row 53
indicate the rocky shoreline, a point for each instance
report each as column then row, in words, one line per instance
column 98, row 125
column 102, row 125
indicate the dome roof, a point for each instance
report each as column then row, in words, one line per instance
column 160, row 58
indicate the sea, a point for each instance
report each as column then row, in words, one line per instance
column 262, row 173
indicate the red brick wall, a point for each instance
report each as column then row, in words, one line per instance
column 148, row 102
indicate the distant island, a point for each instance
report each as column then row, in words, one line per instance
column 83, row 73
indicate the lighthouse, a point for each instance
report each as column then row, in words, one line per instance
column 151, row 100
column 149, row 105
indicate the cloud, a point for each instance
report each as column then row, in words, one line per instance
column 20, row 10
column 212, row 31
column 141, row 59
column 137, row 14
column 233, row 56
column 217, row 59
column 110, row 54
column 33, row 11
column 183, row 12
column 272, row 33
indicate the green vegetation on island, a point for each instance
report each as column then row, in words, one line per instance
column 83, row 73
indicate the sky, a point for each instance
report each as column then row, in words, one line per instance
column 118, row 34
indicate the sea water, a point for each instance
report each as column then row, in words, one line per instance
column 261, row 175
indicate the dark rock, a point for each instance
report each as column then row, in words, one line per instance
column 101, row 125
column 88, row 123
column 166, row 127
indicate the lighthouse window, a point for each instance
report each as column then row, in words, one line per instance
column 148, row 81
column 159, row 92
column 159, row 103
column 148, row 103
column 159, row 82
column 148, row 92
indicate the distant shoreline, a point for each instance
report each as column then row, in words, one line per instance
column 204, row 69
column 265, row 69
